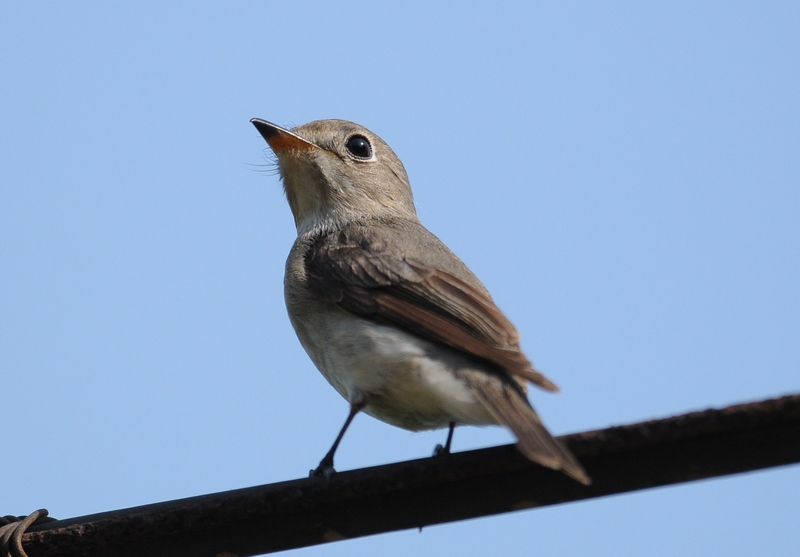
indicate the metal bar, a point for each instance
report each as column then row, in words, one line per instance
column 419, row 493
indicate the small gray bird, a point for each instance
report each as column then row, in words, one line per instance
column 391, row 317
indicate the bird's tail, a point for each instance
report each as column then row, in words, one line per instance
column 509, row 406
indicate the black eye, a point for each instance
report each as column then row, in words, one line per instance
column 359, row 147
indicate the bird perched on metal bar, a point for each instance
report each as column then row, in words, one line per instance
column 395, row 321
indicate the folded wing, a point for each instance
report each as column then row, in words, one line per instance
column 376, row 277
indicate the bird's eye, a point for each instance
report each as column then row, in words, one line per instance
column 359, row 147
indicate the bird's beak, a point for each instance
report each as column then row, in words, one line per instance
column 280, row 139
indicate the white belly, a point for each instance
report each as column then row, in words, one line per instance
column 404, row 380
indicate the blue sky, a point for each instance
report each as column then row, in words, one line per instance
column 624, row 177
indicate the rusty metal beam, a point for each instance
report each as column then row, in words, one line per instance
column 429, row 491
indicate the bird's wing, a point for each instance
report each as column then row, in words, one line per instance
column 371, row 275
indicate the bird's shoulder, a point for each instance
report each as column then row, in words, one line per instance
column 384, row 252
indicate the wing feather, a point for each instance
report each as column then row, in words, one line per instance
column 374, row 278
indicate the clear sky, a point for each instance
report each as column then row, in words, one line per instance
column 624, row 177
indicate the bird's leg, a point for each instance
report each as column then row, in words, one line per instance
column 325, row 467
column 439, row 450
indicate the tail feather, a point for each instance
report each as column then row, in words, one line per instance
column 508, row 405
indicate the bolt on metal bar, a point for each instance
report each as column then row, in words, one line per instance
column 419, row 493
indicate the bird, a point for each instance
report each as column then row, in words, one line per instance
column 390, row 316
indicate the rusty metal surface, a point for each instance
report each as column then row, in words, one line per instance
column 429, row 491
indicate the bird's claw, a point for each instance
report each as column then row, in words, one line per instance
column 324, row 470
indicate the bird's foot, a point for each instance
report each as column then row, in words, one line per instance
column 445, row 450
column 324, row 470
